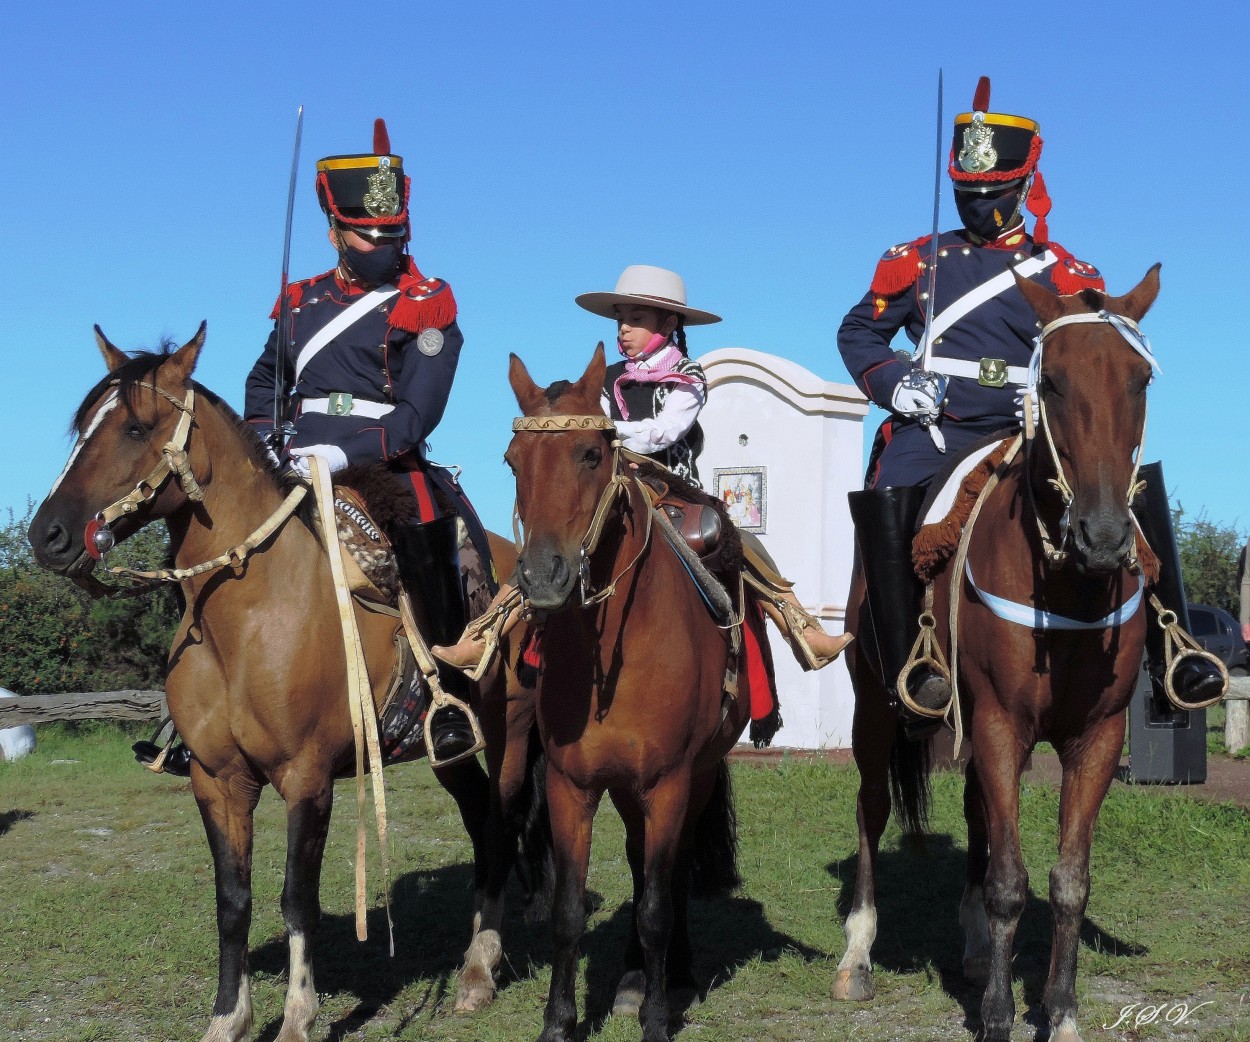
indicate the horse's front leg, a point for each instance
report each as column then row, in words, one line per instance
column 307, row 823
column 873, row 736
column 226, row 804
column 665, row 807
column 999, row 757
column 572, row 813
column 1087, row 776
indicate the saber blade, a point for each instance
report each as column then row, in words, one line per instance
column 284, row 308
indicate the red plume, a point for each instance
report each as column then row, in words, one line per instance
column 981, row 99
column 381, row 139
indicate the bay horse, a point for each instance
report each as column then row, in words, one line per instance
column 629, row 696
column 257, row 683
column 1054, row 534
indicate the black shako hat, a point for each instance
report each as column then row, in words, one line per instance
column 992, row 148
column 367, row 191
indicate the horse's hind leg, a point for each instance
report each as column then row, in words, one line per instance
column 307, row 822
column 226, row 806
column 976, row 960
column 872, row 739
column 1086, row 779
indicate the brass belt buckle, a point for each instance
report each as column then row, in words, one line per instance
column 993, row 372
column 340, row 404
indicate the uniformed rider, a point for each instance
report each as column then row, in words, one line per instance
column 963, row 382
column 368, row 369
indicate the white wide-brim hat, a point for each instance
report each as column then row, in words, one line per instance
column 652, row 287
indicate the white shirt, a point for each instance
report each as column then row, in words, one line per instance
column 673, row 421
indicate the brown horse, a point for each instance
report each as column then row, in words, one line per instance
column 1042, row 680
column 256, row 682
column 629, row 698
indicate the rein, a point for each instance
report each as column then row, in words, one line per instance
column 174, row 463
column 1056, row 555
column 621, row 483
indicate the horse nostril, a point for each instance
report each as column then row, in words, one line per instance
column 56, row 539
column 559, row 571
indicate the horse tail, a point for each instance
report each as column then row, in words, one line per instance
column 714, row 862
column 909, row 781
column 536, row 864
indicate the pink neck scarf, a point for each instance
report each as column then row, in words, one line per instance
column 660, row 360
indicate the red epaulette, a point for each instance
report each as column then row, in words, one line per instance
column 422, row 303
column 898, row 268
column 295, row 292
column 1071, row 275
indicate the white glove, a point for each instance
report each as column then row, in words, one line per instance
column 335, row 459
column 1032, row 402
column 919, row 396
column 1030, row 386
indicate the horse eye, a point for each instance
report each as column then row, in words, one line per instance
column 511, row 467
column 1047, row 386
column 591, row 456
column 138, row 431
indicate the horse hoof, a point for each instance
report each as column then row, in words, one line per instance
column 629, row 994
column 1066, row 1031
column 853, row 985
column 472, row 997
column 977, row 970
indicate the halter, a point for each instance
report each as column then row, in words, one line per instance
column 99, row 537
column 619, row 484
column 1056, row 555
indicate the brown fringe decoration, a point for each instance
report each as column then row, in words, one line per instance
column 935, row 544
column 1147, row 560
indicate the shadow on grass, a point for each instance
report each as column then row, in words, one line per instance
column 433, row 912
column 918, row 892
column 9, row 818
column 725, row 934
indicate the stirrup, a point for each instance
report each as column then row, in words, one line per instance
column 440, row 700
column 924, row 652
column 156, row 763
column 1177, row 647
column 489, row 628
column 798, row 620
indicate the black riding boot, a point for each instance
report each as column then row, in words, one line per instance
column 177, row 761
column 429, row 562
column 885, row 522
column 1196, row 680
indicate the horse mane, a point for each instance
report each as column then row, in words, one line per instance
column 140, row 367
column 1092, row 299
column 557, row 390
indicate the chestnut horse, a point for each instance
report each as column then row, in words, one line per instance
column 1055, row 534
column 630, row 696
column 257, row 674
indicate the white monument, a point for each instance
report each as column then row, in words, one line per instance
column 783, row 448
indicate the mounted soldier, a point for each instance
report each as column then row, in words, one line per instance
column 372, row 347
column 955, row 296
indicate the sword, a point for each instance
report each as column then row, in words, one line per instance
column 282, row 427
column 925, row 350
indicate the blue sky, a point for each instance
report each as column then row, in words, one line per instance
column 768, row 152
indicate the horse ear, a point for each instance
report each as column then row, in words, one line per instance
column 183, row 360
column 528, row 394
column 1040, row 299
column 113, row 357
column 592, row 379
column 1137, row 301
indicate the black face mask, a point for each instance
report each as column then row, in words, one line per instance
column 377, row 266
column 988, row 216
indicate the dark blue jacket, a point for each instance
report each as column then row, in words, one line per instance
column 1002, row 328
column 377, row 359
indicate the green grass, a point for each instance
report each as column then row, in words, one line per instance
column 107, row 914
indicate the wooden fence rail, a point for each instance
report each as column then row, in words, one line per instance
column 82, row 705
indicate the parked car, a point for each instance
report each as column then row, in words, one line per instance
column 1220, row 634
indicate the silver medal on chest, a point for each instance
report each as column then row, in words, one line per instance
column 430, row 342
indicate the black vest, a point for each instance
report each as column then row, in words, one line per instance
column 644, row 401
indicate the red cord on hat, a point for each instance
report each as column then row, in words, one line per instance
column 1038, row 204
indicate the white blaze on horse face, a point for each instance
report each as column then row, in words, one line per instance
column 110, row 403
